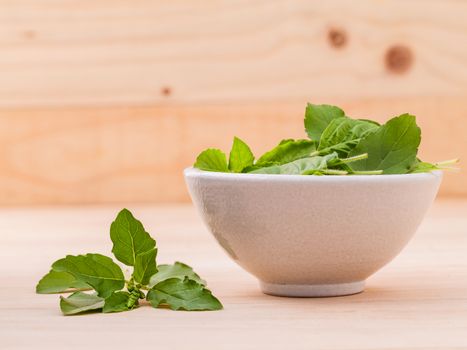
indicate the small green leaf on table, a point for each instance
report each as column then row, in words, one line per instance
column 133, row 246
column 177, row 270
column 129, row 238
column 79, row 302
column 96, row 270
column 145, row 266
column 59, row 282
column 118, row 302
column 185, row 294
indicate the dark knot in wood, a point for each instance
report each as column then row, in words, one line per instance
column 337, row 37
column 398, row 59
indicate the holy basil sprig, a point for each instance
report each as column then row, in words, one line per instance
column 97, row 283
column 337, row 145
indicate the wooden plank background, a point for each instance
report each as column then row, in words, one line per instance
column 108, row 101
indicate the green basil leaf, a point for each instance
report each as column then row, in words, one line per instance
column 240, row 156
column 80, row 302
column 287, row 151
column 59, row 282
column 343, row 134
column 337, row 134
column 212, row 160
column 184, row 294
column 117, row 302
column 317, row 118
column 145, row 266
column 177, row 270
column 96, row 270
column 129, row 238
column 299, row 166
column 392, row 148
column 361, row 129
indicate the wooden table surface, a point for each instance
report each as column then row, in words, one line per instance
column 419, row 301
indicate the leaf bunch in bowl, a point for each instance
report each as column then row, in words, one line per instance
column 336, row 145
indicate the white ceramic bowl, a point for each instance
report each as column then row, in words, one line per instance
column 312, row 235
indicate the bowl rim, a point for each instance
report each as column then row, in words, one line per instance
column 198, row 173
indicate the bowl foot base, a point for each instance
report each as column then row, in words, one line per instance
column 312, row 290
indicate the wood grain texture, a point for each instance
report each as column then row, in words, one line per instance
column 107, row 101
column 102, row 155
column 418, row 301
column 83, row 52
